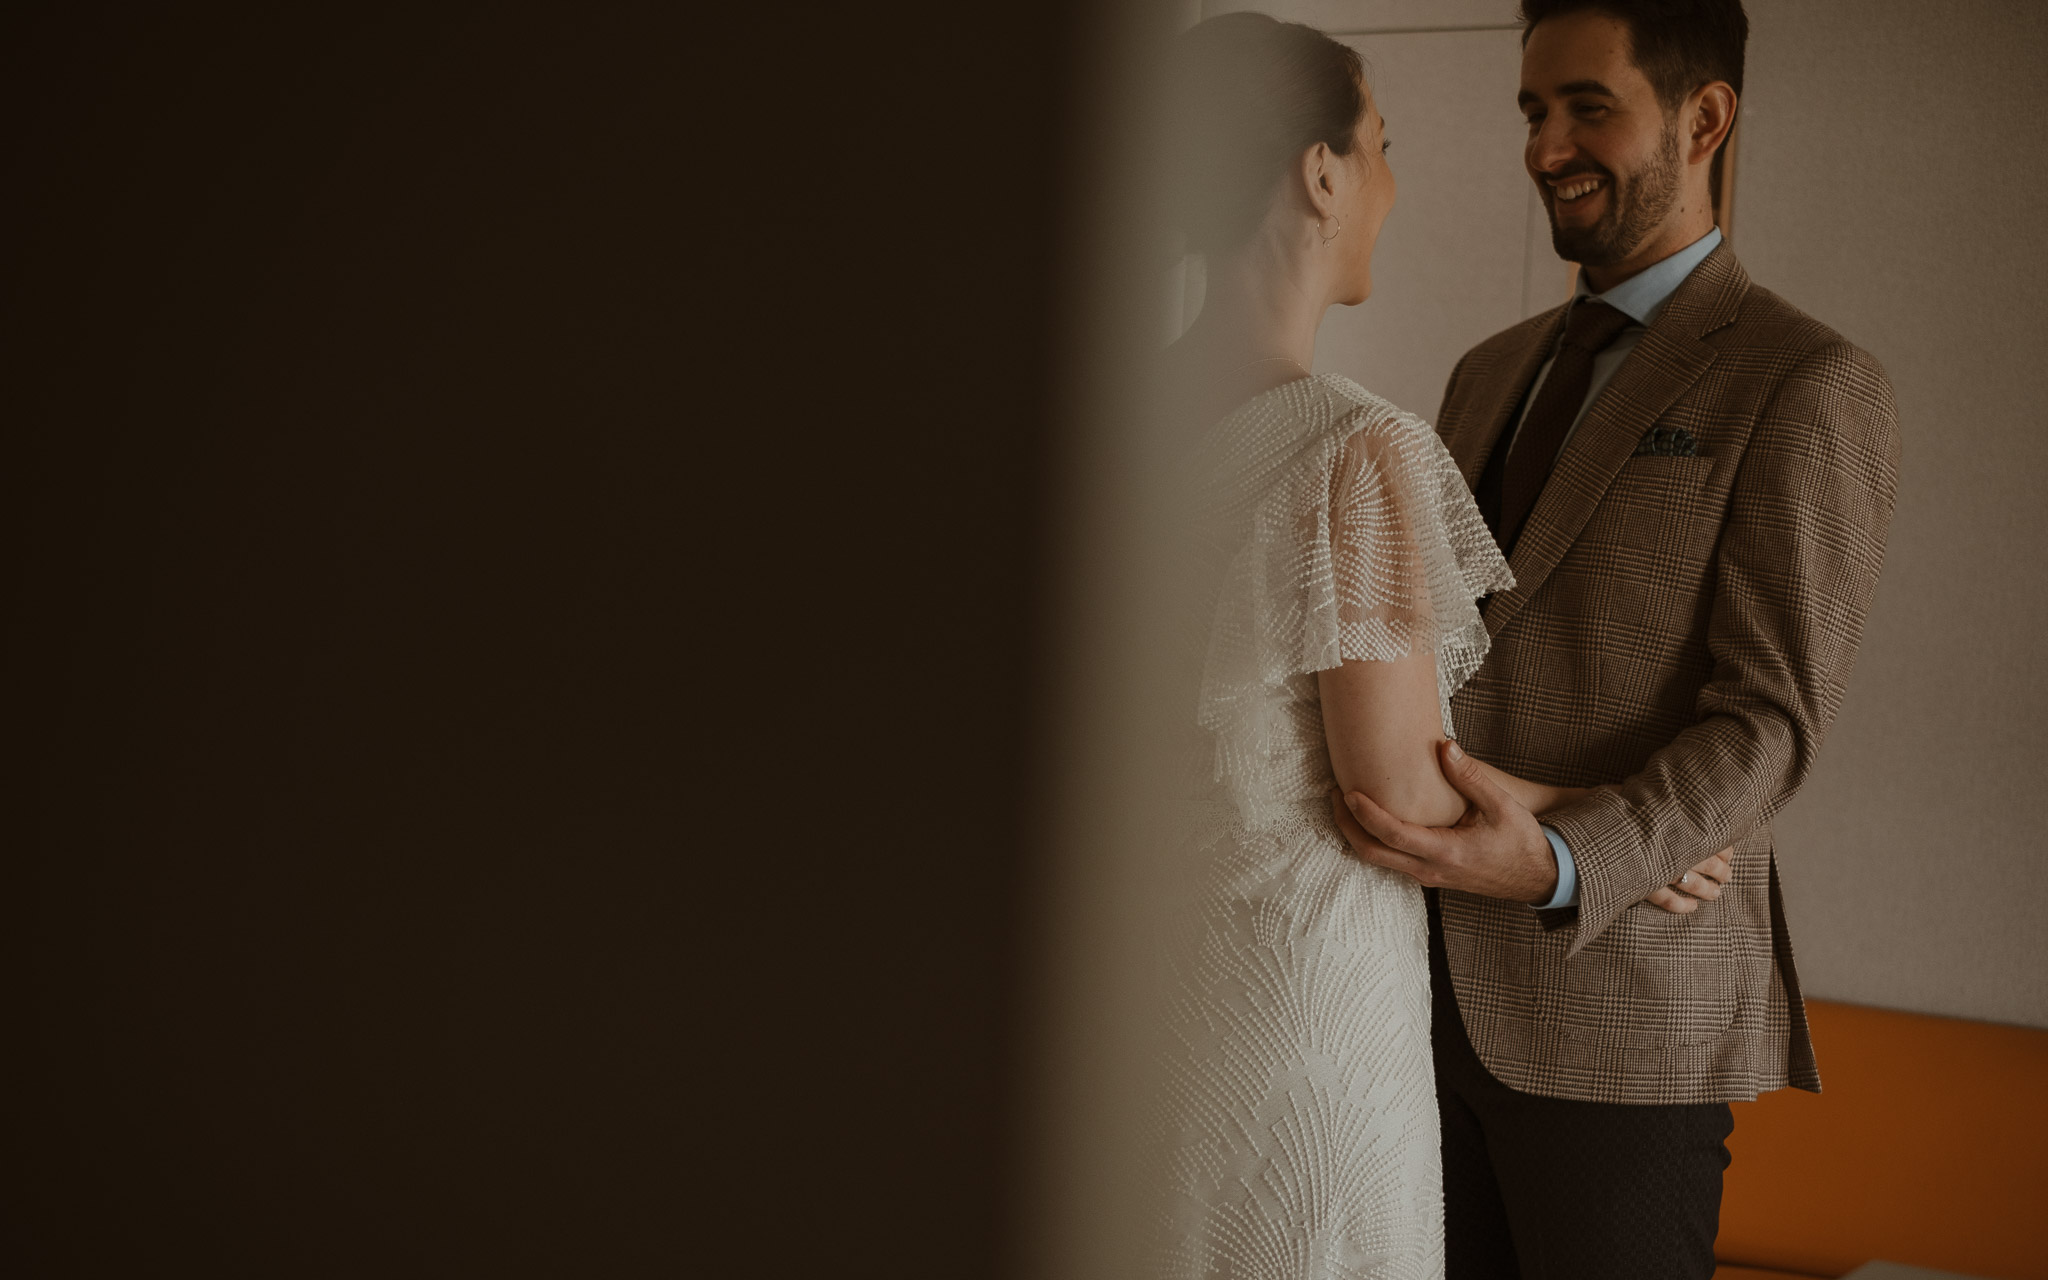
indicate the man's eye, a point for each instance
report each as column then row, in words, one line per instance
column 1386, row 145
column 1534, row 120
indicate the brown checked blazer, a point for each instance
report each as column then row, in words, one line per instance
column 1679, row 637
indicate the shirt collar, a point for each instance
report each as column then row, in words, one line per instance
column 1643, row 295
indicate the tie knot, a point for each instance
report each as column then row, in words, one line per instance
column 1593, row 325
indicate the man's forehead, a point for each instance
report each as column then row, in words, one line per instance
column 1573, row 88
column 1580, row 53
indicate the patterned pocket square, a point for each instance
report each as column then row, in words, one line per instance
column 1658, row 442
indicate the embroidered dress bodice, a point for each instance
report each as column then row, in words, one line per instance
column 1332, row 527
column 1298, row 1111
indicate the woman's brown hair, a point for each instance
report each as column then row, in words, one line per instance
column 1248, row 95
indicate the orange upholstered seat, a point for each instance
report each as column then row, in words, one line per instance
column 1929, row 1146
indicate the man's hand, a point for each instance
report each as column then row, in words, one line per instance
column 1497, row 850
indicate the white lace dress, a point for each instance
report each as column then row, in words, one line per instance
column 1300, row 1109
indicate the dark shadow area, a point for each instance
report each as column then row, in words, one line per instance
column 523, row 567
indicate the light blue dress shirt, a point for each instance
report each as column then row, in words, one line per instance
column 1641, row 298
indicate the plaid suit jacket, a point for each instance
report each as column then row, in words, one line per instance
column 1679, row 637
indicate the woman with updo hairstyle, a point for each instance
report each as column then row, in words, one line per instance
column 1340, row 558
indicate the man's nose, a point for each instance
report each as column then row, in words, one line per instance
column 1552, row 145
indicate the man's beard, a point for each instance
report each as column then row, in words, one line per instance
column 1634, row 210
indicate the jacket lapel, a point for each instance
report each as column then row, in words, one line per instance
column 1499, row 396
column 1670, row 358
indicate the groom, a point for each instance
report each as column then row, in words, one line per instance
column 1692, row 480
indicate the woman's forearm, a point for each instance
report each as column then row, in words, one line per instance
column 1536, row 797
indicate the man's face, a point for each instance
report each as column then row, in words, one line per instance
column 1602, row 150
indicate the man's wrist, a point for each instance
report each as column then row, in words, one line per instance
column 1566, row 891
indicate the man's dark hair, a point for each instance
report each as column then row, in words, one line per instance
column 1679, row 44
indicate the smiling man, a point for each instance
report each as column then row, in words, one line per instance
column 1692, row 480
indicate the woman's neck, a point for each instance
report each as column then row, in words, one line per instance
column 1256, row 331
column 1258, row 306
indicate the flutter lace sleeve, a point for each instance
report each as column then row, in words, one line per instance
column 1348, row 535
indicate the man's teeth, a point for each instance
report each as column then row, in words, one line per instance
column 1577, row 189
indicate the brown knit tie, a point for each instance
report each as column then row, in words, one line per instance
column 1591, row 326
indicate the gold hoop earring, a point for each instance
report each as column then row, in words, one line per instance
column 1319, row 228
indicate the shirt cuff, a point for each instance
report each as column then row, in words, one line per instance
column 1567, row 894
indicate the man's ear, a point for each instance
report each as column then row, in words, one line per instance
column 1712, row 116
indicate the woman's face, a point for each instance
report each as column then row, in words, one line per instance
column 1366, row 205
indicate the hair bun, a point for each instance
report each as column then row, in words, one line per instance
column 1247, row 94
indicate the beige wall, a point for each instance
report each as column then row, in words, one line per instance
column 1892, row 182
column 1466, row 251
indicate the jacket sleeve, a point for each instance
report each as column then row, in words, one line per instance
column 1794, row 574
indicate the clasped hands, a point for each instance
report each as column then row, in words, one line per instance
column 1497, row 850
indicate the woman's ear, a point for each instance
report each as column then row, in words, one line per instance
column 1319, row 179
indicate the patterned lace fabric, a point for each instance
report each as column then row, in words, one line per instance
column 1337, row 527
column 1297, row 1103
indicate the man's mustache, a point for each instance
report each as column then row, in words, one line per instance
column 1552, row 180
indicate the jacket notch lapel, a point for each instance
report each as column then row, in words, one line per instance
column 1664, row 365
column 1668, row 360
column 1656, row 373
column 1504, row 391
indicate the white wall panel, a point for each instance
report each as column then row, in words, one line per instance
column 1546, row 278
column 1892, row 183
column 1452, row 263
column 1378, row 15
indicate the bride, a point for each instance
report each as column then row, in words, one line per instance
column 1340, row 557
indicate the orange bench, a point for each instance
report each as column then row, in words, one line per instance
column 1929, row 1146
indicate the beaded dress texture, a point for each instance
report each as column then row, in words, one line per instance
column 1299, row 1110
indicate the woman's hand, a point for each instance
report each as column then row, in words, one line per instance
column 1558, row 797
column 1684, row 895
column 1538, row 798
